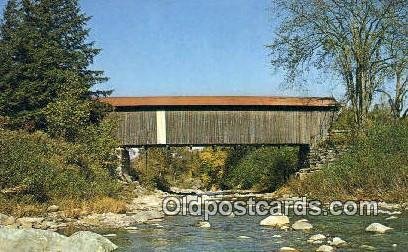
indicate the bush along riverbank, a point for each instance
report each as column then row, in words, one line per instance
column 375, row 167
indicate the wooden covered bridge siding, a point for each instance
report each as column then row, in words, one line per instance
column 221, row 127
column 199, row 121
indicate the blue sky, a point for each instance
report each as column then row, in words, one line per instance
column 188, row 47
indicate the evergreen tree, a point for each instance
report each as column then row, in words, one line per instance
column 43, row 46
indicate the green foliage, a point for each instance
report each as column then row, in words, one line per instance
column 264, row 169
column 69, row 113
column 38, row 168
column 345, row 120
column 217, row 168
column 375, row 167
column 42, row 46
column 153, row 174
column 213, row 167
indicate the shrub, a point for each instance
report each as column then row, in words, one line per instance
column 213, row 167
column 37, row 168
column 154, row 174
column 375, row 167
column 263, row 169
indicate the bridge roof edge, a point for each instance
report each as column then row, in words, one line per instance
column 220, row 101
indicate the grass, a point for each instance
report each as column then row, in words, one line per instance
column 71, row 208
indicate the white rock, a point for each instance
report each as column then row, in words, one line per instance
column 3, row 218
column 243, row 237
column 88, row 241
column 110, row 235
column 367, row 247
column 337, row 242
column 29, row 240
column 42, row 240
column 316, row 239
column 302, row 225
column 29, row 222
column 325, row 248
column 121, row 220
column 388, row 206
column 395, row 213
column 9, row 221
column 389, row 212
column 203, row 224
column 275, row 221
column 316, row 242
column 6, row 220
column 377, row 228
column 288, row 249
column 53, row 208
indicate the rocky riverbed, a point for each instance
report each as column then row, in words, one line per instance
column 146, row 207
column 144, row 223
column 45, row 232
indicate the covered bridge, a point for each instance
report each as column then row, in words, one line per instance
column 223, row 121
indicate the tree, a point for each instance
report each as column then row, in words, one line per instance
column 346, row 37
column 43, row 44
column 68, row 114
column 397, row 72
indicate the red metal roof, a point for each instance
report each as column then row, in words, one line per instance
column 220, row 101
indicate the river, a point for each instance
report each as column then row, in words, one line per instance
column 243, row 233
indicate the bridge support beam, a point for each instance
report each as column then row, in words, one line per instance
column 123, row 170
column 303, row 156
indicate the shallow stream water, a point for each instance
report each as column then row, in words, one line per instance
column 243, row 233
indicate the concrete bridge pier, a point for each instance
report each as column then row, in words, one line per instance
column 123, row 170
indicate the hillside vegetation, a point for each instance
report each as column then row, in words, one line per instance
column 374, row 167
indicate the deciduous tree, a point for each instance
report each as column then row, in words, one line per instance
column 348, row 37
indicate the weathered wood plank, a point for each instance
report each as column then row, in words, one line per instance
column 217, row 127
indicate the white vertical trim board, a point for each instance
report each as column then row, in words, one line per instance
column 161, row 127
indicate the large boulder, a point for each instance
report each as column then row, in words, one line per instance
column 275, row 221
column 42, row 240
column 28, row 240
column 377, row 228
column 87, row 241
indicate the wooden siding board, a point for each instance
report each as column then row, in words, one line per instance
column 137, row 128
column 197, row 127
